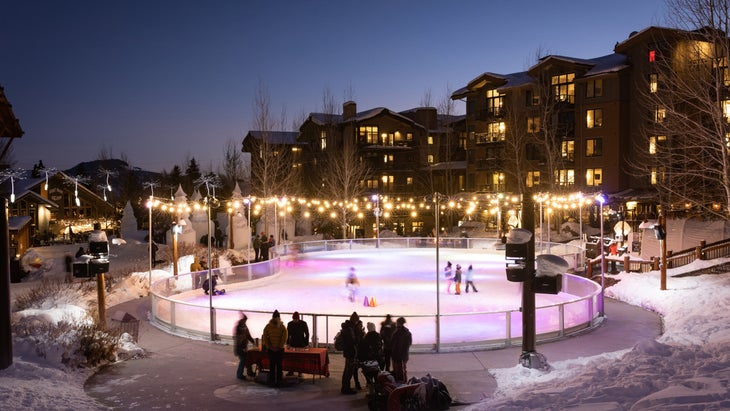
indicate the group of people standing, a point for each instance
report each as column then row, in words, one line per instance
column 275, row 338
column 454, row 278
column 262, row 246
column 389, row 346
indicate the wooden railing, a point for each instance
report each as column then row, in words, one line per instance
column 718, row 249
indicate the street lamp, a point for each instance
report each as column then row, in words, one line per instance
column 233, row 207
column 436, row 199
column 601, row 199
column 377, row 211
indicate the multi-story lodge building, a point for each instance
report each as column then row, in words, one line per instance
column 564, row 125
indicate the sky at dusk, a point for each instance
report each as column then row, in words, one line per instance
column 162, row 81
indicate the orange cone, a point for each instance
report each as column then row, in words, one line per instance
column 365, row 303
column 372, row 302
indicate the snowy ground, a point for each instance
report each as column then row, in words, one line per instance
column 688, row 367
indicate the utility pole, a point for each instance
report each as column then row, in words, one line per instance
column 6, row 336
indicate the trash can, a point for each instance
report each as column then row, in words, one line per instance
column 126, row 323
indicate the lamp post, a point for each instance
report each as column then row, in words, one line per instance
column 436, row 199
column 377, row 211
column 149, row 239
column 601, row 199
column 233, row 207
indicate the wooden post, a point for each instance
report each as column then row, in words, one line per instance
column 102, row 299
column 663, row 270
column 627, row 264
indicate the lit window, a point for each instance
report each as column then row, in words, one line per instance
column 594, row 118
column 409, row 136
column 533, row 179
column 594, row 147
column 495, row 131
column 323, row 141
column 369, row 134
column 430, row 140
column 653, row 82
column 387, row 182
column 533, row 124
column 563, row 87
column 497, row 181
column 567, row 149
column 652, row 56
column 565, row 177
column 726, row 109
column 594, row 177
column 660, row 114
column 595, row 88
column 387, row 158
column 409, row 180
column 430, row 159
column 655, row 142
column 494, row 102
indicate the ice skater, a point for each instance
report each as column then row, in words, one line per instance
column 352, row 284
column 449, row 276
column 213, row 290
column 470, row 279
column 457, row 279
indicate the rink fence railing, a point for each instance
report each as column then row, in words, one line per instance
column 173, row 313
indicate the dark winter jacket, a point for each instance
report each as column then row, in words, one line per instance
column 275, row 335
column 457, row 275
column 371, row 347
column 387, row 328
column 242, row 338
column 401, row 344
column 298, row 333
column 349, row 339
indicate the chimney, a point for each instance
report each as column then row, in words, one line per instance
column 349, row 109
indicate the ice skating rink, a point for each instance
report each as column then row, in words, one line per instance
column 401, row 282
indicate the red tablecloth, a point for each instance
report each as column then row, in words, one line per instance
column 313, row 361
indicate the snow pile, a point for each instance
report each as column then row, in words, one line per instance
column 686, row 368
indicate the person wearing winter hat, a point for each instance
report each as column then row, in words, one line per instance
column 400, row 347
column 370, row 354
column 387, row 328
column 274, row 340
column 349, row 352
column 298, row 332
column 241, row 339
column 457, row 279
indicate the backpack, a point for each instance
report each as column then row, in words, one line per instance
column 339, row 341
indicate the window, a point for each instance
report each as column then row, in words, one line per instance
column 594, row 118
column 497, row 181
column 726, row 109
column 495, row 131
column 372, row 183
column 369, row 134
column 595, row 88
column 657, row 175
column 652, row 56
column 387, row 182
column 462, row 140
column 567, row 150
column 323, row 140
column 409, row 181
column 494, row 102
column 563, row 87
column 653, row 82
column 533, row 179
column 594, row 177
column 594, row 147
column 387, row 158
column 722, row 71
column 533, row 124
column 409, row 136
column 532, row 98
column 387, row 139
column 398, row 136
column 660, row 114
column 655, row 142
column 430, row 140
column 429, row 159
column 565, row 177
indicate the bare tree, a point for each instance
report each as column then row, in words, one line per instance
column 272, row 174
column 343, row 170
column 233, row 167
column 684, row 144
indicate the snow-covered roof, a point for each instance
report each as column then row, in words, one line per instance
column 275, row 137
